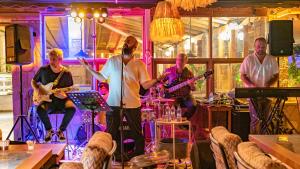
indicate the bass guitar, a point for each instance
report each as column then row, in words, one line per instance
column 171, row 91
column 37, row 98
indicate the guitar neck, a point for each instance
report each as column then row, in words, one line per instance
column 176, row 87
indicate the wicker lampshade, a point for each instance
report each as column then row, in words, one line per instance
column 191, row 4
column 166, row 26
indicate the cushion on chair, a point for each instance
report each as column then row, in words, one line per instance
column 102, row 140
column 93, row 157
column 228, row 141
column 255, row 157
column 71, row 165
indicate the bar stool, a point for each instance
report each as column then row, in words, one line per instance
column 55, row 128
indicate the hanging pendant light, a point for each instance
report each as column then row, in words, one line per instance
column 189, row 5
column 166, row 26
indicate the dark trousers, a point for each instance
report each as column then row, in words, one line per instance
column 259, row 109
column 133, row 117
column 57, row 105
column 189, row 103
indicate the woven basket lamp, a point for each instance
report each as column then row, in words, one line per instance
column 166, row 26
column 189, row 5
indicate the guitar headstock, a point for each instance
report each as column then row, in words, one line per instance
column 208, row 73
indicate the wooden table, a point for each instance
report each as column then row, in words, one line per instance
column 268, row 143
column 39, row 157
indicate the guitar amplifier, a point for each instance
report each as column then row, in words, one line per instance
column 240, row 121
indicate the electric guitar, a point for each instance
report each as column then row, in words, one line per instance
column 37, row 98
column 171, row 91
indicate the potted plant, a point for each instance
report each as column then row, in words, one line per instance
column 294, row 67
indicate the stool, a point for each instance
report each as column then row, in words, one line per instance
column 219, row 108
column 56, row 129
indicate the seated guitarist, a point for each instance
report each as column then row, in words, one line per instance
column 178, row 74
column 56, row 73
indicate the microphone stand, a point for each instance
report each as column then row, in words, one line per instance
column 121, row 110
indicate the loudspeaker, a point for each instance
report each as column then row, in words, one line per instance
column 281, row 38
column 240, row 123
column 18, row 44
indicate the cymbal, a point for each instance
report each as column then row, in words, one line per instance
column 163, row 100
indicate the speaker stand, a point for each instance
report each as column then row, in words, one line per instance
column 22, row 117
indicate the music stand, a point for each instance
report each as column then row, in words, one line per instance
column 89, row 100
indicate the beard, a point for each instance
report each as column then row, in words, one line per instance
column 261, row 52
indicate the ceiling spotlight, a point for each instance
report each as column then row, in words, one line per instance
column 73, row 13
column 81, row 14
column 77, row 20
column 96, row 14
column 104, row 12
column 101, row 20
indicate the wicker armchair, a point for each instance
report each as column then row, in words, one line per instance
column 227, row 142
column 96, row 155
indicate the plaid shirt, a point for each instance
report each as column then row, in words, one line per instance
column 175, row 78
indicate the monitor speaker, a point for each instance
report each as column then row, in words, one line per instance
column 240, row 123
column 281, row 38
column 18, row 44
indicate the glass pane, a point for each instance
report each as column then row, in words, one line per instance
column 64, row 33
column 112, row 33
column 233, row 37
column 195, row 41
column 227, row 77
column 197, row 69
column 76, row 39
column 81, row 77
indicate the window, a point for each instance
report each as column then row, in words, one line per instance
column 233, row 37
column 88, row 39
column 194, row 43
column 227, row 77
column 77, row 39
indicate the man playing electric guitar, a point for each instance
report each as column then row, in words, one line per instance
column 61, row 78
column 177, row 74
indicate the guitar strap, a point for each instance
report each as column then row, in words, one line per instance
column 58, row 77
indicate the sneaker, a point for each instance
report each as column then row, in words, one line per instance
column 61, row 136
column 49, row 135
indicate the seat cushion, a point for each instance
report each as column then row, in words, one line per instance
column 102, row 140
column 71, row 165
column 93, row 157
column 256, row 158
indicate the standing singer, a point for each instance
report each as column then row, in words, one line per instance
column 135, row 76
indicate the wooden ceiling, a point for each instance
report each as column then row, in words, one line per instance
column 149, row 3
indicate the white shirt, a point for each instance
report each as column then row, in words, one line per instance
column 259, row 73
column 135, row 73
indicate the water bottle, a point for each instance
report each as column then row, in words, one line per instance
column 179, row 113
column 167, row 113
column 173, row 113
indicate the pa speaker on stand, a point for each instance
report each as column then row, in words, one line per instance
column 281, row 37
column 19, row 46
